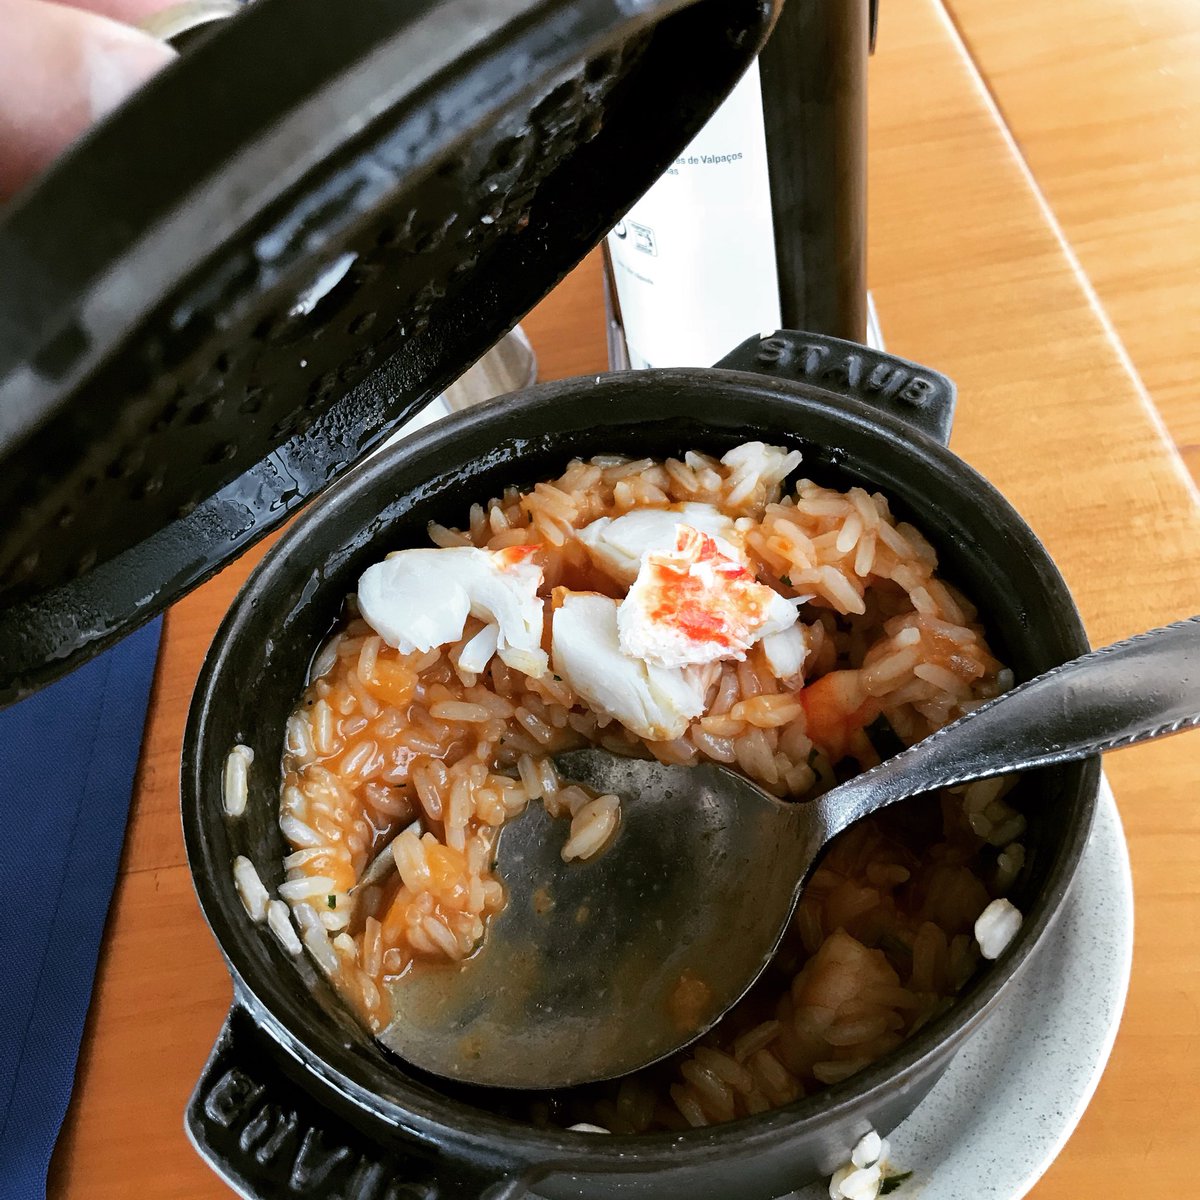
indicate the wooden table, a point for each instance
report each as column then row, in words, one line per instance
column 970, row 277
column 1103, row 100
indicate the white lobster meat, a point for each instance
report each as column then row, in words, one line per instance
column 418, row 599
column 654, row 702
column 618, row 544
column 692, row 604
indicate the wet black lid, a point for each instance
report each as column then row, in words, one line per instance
column 285, row 245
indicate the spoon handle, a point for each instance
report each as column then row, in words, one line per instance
column 1132, row 691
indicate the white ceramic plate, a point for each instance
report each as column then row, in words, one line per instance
column 1010, row 1099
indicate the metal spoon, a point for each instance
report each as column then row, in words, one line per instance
column 596, row 968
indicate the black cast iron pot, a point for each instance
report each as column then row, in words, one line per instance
column 297, row 1098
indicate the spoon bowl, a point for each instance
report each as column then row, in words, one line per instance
column 594, row 969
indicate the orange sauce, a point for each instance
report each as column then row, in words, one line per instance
column 690, row 1002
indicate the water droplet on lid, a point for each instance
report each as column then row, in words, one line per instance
column 252, row 402
column 150, row 486
column 327, row 279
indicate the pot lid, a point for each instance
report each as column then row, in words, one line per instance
column 285, row 245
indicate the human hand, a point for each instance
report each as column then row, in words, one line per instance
column 63, row 67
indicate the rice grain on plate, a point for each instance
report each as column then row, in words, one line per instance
column 431, row 751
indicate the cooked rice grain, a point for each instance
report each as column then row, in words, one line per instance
column 279, row 919
column 591, row 827
column 236, row 780
column 250, row 888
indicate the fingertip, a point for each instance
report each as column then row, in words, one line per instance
column 115, row 61
column 62, row 69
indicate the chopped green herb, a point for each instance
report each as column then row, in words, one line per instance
column 892, row 1182
column 813, row 755
column 558, row 679
column 331, row 901
column 785, row 580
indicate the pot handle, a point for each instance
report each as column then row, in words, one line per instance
column 266, row 1136
column 916, row 395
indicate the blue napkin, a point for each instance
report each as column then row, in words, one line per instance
column 67, row 761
